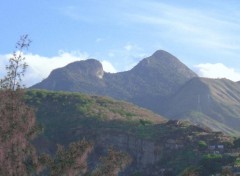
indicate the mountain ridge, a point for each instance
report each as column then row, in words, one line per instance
column 161, row 83
column 129, row 81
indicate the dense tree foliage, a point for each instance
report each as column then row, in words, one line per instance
column 71, row 161
column 237, row 143
column 112, row 164
column 190, row 171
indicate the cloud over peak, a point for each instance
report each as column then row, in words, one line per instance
column 217, row 70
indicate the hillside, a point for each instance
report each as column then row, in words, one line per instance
column 211, row 102
column 157, row 147
column 71, row 112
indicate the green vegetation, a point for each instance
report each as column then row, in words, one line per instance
column 94, row 114
column 68, row 117
column 202, row 145
column 237, row 162
column 212, row 163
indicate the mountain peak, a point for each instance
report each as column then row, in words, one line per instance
column 161, row 53
column 165, row 64
column 163, row 57
column 90, row 67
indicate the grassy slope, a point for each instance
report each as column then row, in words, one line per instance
column 62, row 112
column 67, row 117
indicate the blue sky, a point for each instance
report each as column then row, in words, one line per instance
column 203, row 34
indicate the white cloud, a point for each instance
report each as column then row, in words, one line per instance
column 41, row 66
column 217, row 70
column 108, row 67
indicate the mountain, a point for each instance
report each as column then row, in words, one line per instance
column 211, row 102
column 156, row 146
column 160, row 83
column 150, row 81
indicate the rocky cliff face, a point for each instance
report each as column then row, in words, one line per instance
column 145, row 152
column 90, row 68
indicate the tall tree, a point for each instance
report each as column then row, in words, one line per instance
column 17, row 66
column 17, row 120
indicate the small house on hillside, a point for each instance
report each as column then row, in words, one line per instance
column 216, row 148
